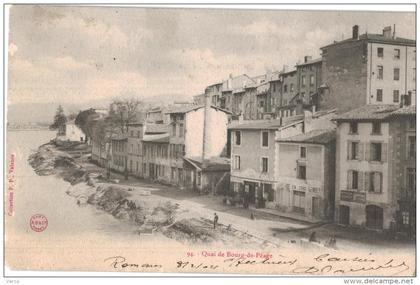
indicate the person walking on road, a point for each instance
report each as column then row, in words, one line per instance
column 215, row 219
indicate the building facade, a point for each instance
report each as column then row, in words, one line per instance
column 135, row 149
column 309, row 79
column 119, row 153
column 374, row 173
column 305, row 174
column 252, row 162
column 368, row 69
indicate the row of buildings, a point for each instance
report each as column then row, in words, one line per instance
column 357, row 168
column 332, row 139
column 363, row 69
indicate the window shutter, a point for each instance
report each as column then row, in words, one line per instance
column 367, row 151
column 378, row 182
column 367, row 181
column 384, row 153
column 361, row 151
column 297, row 170
column 348, row 150
column 360, row 181
column 381, row 181
column 349, row 179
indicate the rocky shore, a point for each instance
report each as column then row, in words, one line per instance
column 153, row 214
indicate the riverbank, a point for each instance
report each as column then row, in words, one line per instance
column 152, row 214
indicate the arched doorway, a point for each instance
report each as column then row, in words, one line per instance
column 374, row 217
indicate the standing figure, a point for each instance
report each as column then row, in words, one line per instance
column 215, row 219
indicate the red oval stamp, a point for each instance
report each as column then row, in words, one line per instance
column 38, row 223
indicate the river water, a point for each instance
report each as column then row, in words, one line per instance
column 46, row 195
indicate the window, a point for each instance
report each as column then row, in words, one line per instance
column 353, row 128
column 301, row 172
column 380, row 72
column 237, row 137
column 292, row 87
column 132, row 134
column 376, row 151
column 312, row 80
column 181, row 130
column 285, row 87
column 237, row 162
column 302, row 152
column 303, row 80
column 173, row 129
column 397, row 53
column 411, row 147
column 405, row 218
column 411, row 179
column 380, row 52
column 414, row 74
column 354, row 179
column 354, row 151
column 264, row 164
column 412, row 123
column 379, row 95
column 396, row 74
column 376, row 128
column 396, row 96
column 274, row 87
column 264, row 139
column 374, row 182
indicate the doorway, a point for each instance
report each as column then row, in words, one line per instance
column 374, row 217
column 316, row 207
column 344, row 213
column 249, row 194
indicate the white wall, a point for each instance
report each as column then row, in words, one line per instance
column 73, row 133
column 216, row 135
column 194, row 123
column 406, row 63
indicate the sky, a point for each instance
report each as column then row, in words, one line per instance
column 70, row 55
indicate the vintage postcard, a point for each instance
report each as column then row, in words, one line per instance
column 210, row 140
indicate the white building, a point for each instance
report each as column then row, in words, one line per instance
column 71, row 132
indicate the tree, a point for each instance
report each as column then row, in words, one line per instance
column 86, row 121
column 59, row 119
column 123, row 112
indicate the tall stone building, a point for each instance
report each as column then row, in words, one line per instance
column 368, row 69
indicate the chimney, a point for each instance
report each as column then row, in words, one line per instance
column 206, row 128
column 285, row 68
column 393, row 32
column 307, row 58
column 355, row 32
column 386, row 32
